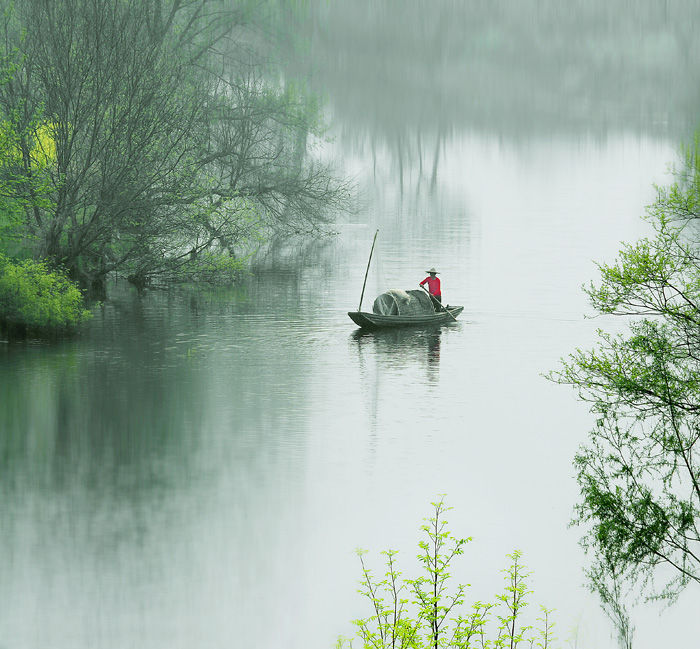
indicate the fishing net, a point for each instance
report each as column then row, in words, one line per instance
column 398, row 302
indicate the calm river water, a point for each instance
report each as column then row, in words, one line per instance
column 198, row 468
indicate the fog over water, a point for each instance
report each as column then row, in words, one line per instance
column 197, row 469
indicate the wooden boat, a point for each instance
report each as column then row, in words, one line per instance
column 377, row 321
column 397, row 308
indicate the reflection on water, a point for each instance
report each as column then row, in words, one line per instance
column 401, row 348
column 118, row 450
column 433, row 353
column 385, row 351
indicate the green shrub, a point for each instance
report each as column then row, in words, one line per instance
column 429, row 613
column 38, row 299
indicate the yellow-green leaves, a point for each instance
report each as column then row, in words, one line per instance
column 36, row 298
column 428, row 612
column 37, row 144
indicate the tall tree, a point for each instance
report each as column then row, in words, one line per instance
column 171, row 146
column 639, row 473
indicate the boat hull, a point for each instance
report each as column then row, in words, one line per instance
column 376, row 321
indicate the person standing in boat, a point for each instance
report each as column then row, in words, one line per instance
column 433, row 283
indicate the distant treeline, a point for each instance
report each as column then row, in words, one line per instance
column 536, row 67
column 147, row 138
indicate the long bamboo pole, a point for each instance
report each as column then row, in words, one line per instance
column 359, row 308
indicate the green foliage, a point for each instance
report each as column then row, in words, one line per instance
column 513, row 601
column 639, row 473
column 606, row 583
column 35, row 298
column 428, row 612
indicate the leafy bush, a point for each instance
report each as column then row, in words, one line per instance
column 36, row 298
column 426, row 613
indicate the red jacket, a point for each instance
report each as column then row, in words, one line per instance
column 433, row 285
